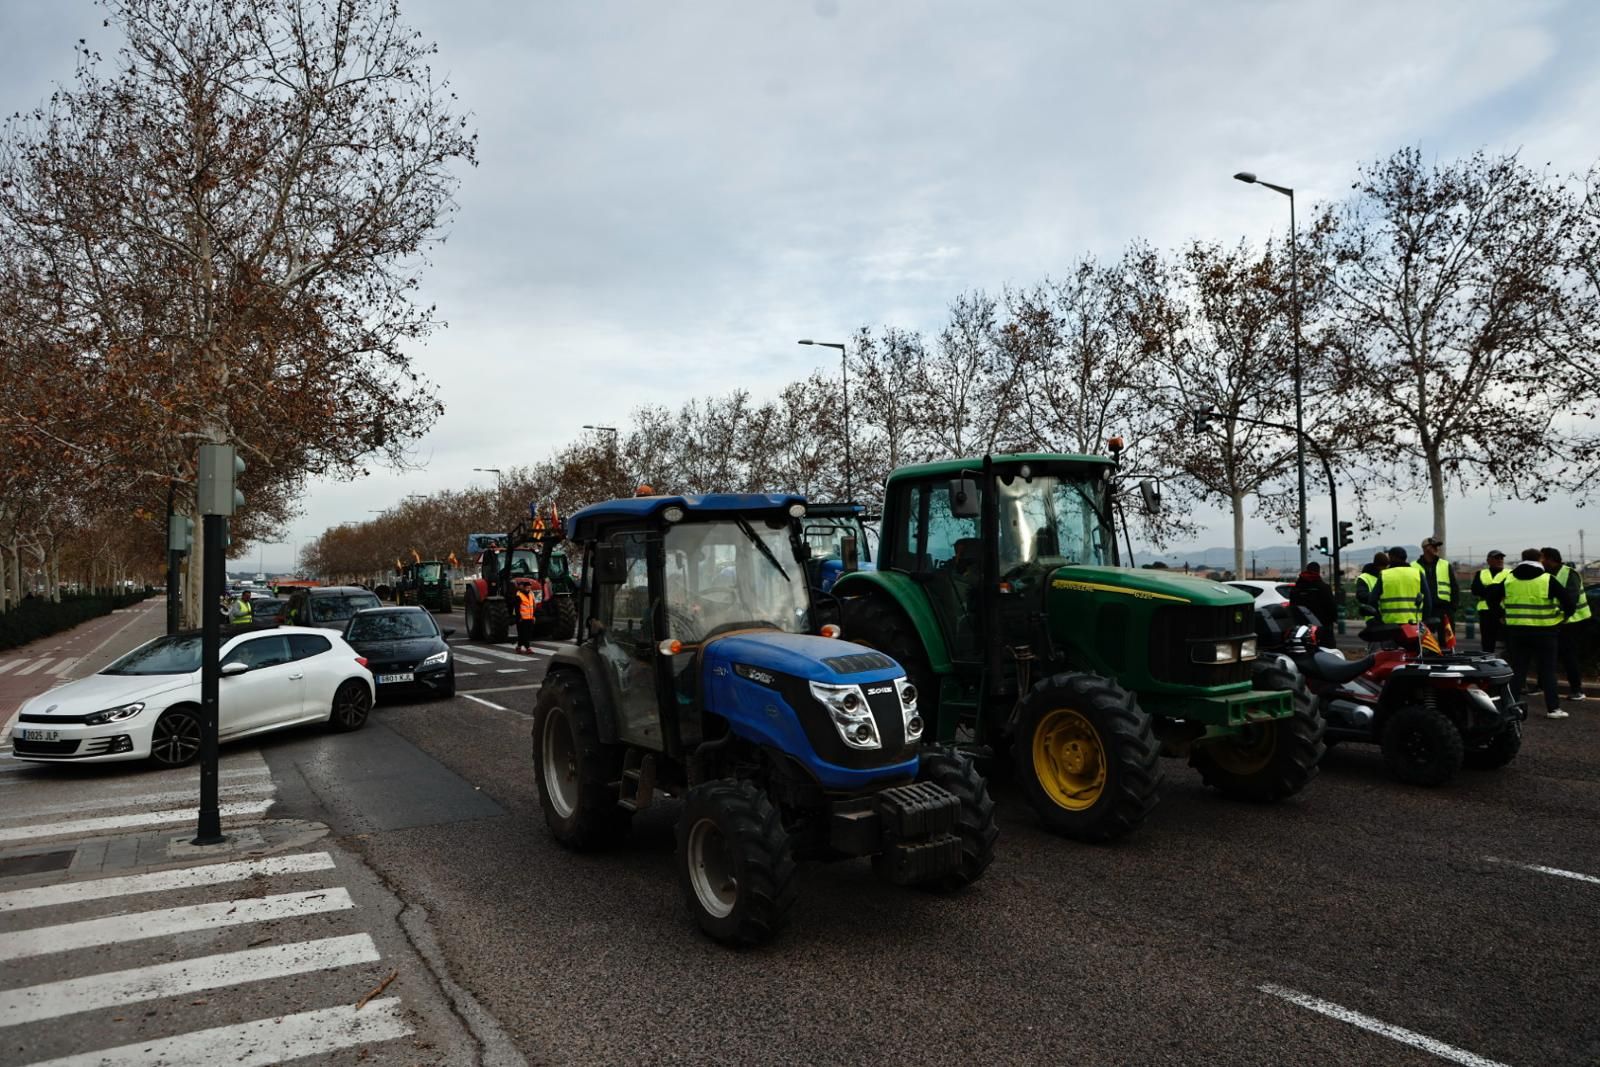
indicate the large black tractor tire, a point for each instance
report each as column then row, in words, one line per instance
column 474, row 615
column 496, row 620
column 1086, row 757
column 1269, row 761
column 878, row 624
column 1495, row 752
column 1421, row 746
column 566, row 618
column 735, row 862
column 975, row 823
column 577, row 776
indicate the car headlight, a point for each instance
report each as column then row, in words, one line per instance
column 438, row 659
column 126, row 711
column 847, row 706
column 908, row 708
column 1219, row 652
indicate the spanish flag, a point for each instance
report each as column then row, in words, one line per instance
column 414, row 557
column 538, row 524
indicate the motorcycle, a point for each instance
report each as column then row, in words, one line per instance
column 1431, row 712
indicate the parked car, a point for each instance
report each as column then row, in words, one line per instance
column 147, row 704
column 266, row 609
column 328, row 607
column 405, row 650
column 1267, row 594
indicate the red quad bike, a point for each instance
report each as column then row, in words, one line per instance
column 1430, row 712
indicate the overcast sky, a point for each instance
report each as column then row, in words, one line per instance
column 669, row 194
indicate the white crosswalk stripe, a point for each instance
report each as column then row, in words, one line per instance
column 35, row 665
column 470, row 661
column 162, row 881
column 495, row 652
column 65, row 665
column 134, row 821
column 7, row 664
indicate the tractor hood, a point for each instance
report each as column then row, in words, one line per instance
column 802, row 656
column 1148, row 585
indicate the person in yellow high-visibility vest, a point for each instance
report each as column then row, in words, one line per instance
column 1535, row 604
column 1400, row 590
column 1366, row 581
column 1569, row 635
column 1491, row 622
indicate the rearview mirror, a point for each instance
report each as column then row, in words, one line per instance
column 610, row 565
column 964, row 498
column 449, row 631
column 1151, row 492
column 850, row 554
column 229, row 670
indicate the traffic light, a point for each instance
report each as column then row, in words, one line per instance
column 1322, row 546
column 1202, row 420
column 215, row 491
column 180, row 533
column 1346, row 533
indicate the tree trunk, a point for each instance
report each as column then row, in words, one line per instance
column 1436, row 488
column 1238, row 534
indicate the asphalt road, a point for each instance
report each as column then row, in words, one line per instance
column 1377, row 904
column 1357, row 923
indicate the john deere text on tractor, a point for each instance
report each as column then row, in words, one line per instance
column 527, row 552
column 997, row 589
column 424, row 582
column 698, row 674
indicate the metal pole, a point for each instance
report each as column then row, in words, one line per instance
column 1299, row 402
column 844, row 365
column 209, row 831
column 173, row 558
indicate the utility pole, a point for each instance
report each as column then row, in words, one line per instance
column 844, row 366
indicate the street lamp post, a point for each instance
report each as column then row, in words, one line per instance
column 611, row 448
column 844, row 366
column 499, row 494
column 1294, row 312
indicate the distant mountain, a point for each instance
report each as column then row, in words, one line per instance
column 1279, row 558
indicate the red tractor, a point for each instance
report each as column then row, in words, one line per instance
column 527, row 552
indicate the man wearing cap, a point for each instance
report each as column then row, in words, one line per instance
column 1491, row 621
column 1401, row 590
column 1569, row 634
column 1534, row 606
column 1440, row 583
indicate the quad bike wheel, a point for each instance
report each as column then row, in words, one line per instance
column 1421, row 746
column 575, row 772
column 735, row 862
column 1267, row 761
column 1086, row 757
column 975, row 823
column 1495, row 752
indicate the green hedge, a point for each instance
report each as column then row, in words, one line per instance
column 33, row 619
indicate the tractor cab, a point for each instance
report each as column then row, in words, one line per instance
column 839, row 541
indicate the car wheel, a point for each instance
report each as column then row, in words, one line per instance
column 352, row 703
column 175, row 740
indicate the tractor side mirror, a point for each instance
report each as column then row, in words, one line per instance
column 610, row 567
column 964, row 498
column 850, row 553
column 1150, row 490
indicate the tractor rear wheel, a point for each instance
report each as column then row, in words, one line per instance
column 975, row 823
column 1497, row 751
column 496, row 620
column 576, row 773
column 1086, row 757
column 873, row 622
column 474, row 615
column 566, row 618
column 1421, row 746
column 1266, row 761
column 735, row 862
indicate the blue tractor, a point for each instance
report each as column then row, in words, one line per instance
column 699, row 674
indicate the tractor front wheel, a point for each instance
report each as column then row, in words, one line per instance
column 975, row 823
column 1421, row 746
column 735, row 862
column 1086, row 757
column 1266, row 761
column 576, row 773
column 566, row 618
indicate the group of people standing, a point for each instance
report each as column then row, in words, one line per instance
column 1536, row 609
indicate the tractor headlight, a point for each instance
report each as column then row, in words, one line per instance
column 438, row 659
column 1247, row 648
column 847, row 706
column 908, row 708
column 100, row 718
column 1218, row 652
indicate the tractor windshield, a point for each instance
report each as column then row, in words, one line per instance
column 428, row 572
column 725, row 574
column 1052, row 521
column 825, row 534
column 523, row 562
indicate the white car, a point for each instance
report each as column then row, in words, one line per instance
column 147, row 704
column 1267, row 594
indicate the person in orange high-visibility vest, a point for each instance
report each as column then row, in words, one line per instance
column 525, row 612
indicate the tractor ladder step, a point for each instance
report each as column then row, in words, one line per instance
column 639, row 771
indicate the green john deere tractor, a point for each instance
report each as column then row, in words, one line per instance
column 998, row 589
column 424, row 582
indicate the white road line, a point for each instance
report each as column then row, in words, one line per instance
column 32, row 666
column 470, row 661
column 52, row 1000
column 1383, row 1029
column 7, row 664
column 258, row 1043
column 64, row 666
column 466, row 674
column 1557, row 871
column 74, row 827
column 114, row 929
column 510, row 670
column 486, row 703
column 160, row 881
column 112, row 801
column 496, row 653
column 541, row 651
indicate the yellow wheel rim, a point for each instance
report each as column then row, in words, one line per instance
column 1069, row 760
column 1247, row 752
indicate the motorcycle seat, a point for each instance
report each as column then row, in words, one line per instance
column 1338, row 671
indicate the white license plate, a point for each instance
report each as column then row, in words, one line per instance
column 385, row 679
column 39, row 735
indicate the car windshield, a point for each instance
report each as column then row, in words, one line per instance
column 1051, row 521
column 265, row 607
column 391, row 626
column 825, row 536
column 335, row 608
column 178, row 654
column 727, row 573
column 428, row 572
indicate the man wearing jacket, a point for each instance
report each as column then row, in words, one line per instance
column 1313, row 597
column 1366, row 581
column 1401, row 591
column 1535, row 605
column 1569, row 634
column 1490, row 620
column 1440, row 582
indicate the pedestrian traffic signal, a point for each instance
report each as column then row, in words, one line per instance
column 218, row 474
column 1346, row 533
column 180, row 533
column 1322, row 545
